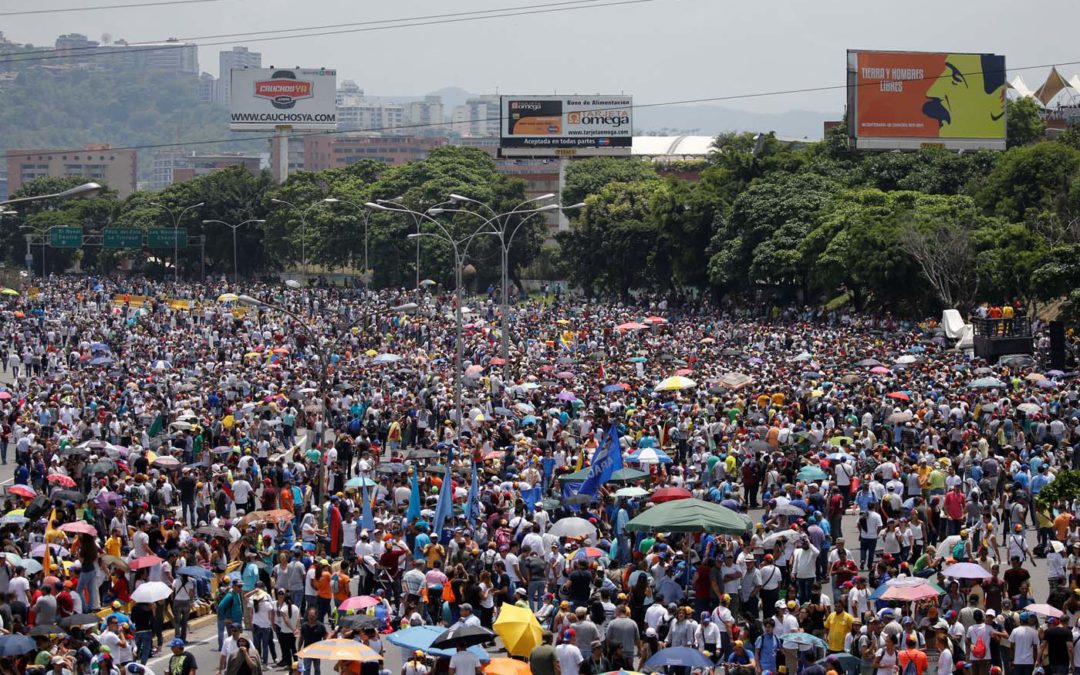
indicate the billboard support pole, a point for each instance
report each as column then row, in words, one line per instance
column 283, row 152
column 564, row 222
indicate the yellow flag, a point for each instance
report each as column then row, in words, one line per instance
column 50, row 534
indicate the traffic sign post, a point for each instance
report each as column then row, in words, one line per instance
column 122, row 237
column 65, row 237
column 166, row 237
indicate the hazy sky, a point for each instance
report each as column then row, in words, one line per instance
column 663, row 50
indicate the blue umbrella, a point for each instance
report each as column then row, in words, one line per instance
column 100, row 361
column 195, row 571
column 421, row 637
column 359, row 481
column 611, row 388
column 812, row 473
column 17, row 645
column 811, row 375
column 99, row 347
column 528, row 419
column 679, row 656
column 803, row 640
column 639, row 359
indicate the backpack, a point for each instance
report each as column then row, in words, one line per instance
column 978, row 650
column 910, row 668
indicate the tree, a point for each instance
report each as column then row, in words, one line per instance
column 1023, row 125
column 588, row 176
column 1030, row 177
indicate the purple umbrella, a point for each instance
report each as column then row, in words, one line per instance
column 39, row 551
column 966, row 571
column 565, row 395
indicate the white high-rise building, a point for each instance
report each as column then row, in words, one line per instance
column 427, row 116
column 477, row 117
column 237, row 57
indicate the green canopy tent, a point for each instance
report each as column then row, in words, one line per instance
column 620, row 476
column 690, row 515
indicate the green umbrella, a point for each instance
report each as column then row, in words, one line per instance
column 689, row 515
column 812, row 473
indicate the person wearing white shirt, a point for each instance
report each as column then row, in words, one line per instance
column 567, row 654
column 465, row 662
column 1025, row 641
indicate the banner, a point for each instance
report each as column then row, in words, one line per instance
column 908, row 100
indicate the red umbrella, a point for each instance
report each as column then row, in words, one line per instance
column 899, row 396
column 145, row 561
column 61, row 480
column 655, row 320
column 79, row 527
column 498, row 362
column 670, row 494
column 22, row 491
column 684, row 371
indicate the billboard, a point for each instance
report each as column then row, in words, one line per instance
column 262, row 99
column 911, row 100
column 546, row 126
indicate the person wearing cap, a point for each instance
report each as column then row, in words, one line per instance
column 416, row 664
column 585, row 630
column 740, row 660
column 181, row 662
column 230, row 609
column 913, row 656
column 771, row 578
column 1056, row 648
column 978, row 639
column 708, row 637
column 567, row 654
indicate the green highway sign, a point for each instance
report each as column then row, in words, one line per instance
column 65, row 237
column 122, row 237
column 163, row 237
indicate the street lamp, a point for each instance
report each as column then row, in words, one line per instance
column 303, row 228
column 31, row 233
column 84, row 191
column 367, row 214
column 397, row 202
column 176, row 218
column 499, row 225
column 234, row 228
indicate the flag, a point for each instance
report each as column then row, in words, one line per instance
column 444, row 509
column 156, row 426
column 605, row 461
column 531, row 497
column 579, row 463
column 601, row 372
column 413, row 513
column 50, row 534
column 367, row 521
column 472, row 501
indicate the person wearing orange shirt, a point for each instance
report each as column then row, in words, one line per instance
column 323, row 592
column 1061, row 525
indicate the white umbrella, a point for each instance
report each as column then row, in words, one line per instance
column 907, row 359
column 151, row 591
column 574, row 527
column 1029, row 408
column 632, row 491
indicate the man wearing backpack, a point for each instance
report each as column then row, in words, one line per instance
column 978, row 639
column 913, row 661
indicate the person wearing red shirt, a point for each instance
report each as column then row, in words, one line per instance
column 65, row 605
column 954, row 509
column 843, row 569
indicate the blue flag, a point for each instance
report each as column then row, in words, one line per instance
column 472, row 502
column 413, row 513
column 367, row 521
column 444, row 509
column 531, row 497
column 605, row 461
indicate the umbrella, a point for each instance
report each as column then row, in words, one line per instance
column 812, row 473
column 151, row 591
column 421, row 637
column 735, row 381
column 103, row 466
column 906, row 359
column 1045, row 610
column 689, row 515
column 358, row 602
column 504, row 666
column 211, row 531
column 899, row 417
column 17, row 645
column 670, row 494
column 909, row 593
column 359, row 481
column 68, row 495
column 22, row 491
column 118, row 563
column 880, row 370
column 789, row 510
column 361, row 621
column 195, row 571
column 46, row 629
column 31, row 566
column 61, row 480
column 771, row 540
column 14, row 520
column 675, row 383
column 1026, row 408
column 386, row 358
column 39, row 550
column 519, row 629
column 685, row 657
column 421, row 454
column 80, row 620
column 470, row 635
column 631, row 492
column 339, row 650
column 869, row 363
column 899, row 396
column 574, row 527
column 650, row 456
column 79, row 527
column 145, row 561
column 588, row 553
column 166, row 461
column 966, row 571
column 986, row 383
column 803, row 640
column 228, row 297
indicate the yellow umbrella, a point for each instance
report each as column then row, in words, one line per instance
column 339, row 650
column 228, row 297
column 9, row 291
column 252, row 355
column 371, row 352
column 504, row 666
column 675, row 384
column 16, row 512
column 519, row 630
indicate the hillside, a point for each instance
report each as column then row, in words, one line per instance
column 46, row 108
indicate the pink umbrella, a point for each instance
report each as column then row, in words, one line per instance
column 1045, row 610
column 655, row 320
column 145, row 561
column 358, row 602
column 565, row 375
column 879, row 370
column 684, row 371
column 966, row 571
column 79, row 527
column 631, row 325
column 61, row 480
column 909, row 593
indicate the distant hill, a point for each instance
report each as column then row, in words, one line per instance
column 708, row 120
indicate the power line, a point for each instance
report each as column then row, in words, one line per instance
column 636, row 106
column 95, row 8
column 331, row 29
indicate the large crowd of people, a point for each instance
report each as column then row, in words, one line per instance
column 299, row 469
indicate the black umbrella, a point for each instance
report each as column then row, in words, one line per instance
column 79, row 620
column 758, row 446
column 75, row 451
column 16, row 645
column 68, row 495
column 470, row 635
column 46, row 629
column 104, row 466
column 435, row 468
column 391, row 467
column 359, row 621
column 421, row 453
column 578, row 499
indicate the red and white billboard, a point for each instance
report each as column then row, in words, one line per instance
column 262, row 99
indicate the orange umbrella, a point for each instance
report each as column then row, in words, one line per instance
column 503, row 666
